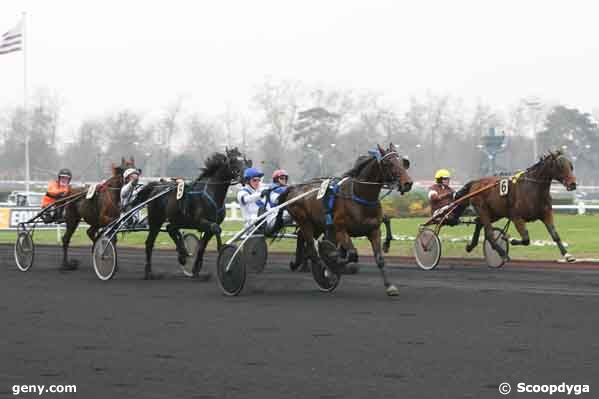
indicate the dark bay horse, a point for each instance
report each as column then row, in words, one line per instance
column 528, row 199
column 97, row 212
column 356, row 212
column 202, row 206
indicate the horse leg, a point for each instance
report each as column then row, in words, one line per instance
column 548, row 221
column 149, row 247
column 345, row 248
column 91, row 233
column 200, row 255
column 388, row 234
column 523, row 231
column 177, row 238
column 66, row 240
column 475, row 236
column 491, row 238
column 300, row 245
column 375, row 241
column 307, row 233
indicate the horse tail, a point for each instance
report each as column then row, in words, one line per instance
column 464, row 190
column 459, row 210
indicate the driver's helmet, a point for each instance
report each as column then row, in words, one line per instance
column 442, row 174
column 279, row 173
column 129, row 172
column 250, row 173
column 64, row 172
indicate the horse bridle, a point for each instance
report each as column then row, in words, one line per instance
column 229, row 160
column 394, row 179
column 540, row 181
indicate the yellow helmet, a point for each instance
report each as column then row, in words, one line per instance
column 442, row 173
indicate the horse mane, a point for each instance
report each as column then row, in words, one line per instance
column 212, row 164
column 360, row 164
column 548, row 161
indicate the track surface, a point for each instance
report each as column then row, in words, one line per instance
column 453, row 332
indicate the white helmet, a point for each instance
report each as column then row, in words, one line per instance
column 129, row 172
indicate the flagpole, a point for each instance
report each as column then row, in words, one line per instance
column 25, row 103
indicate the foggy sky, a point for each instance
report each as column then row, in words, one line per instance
column 102, row 56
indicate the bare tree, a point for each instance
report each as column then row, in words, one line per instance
column 278, row 103
column 167, row 128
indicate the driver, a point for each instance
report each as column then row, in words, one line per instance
column 57, row 189
column 280, row 177
column 129, row 191
column 441, row 195
column 249, row 196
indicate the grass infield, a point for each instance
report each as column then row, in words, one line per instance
column 579, row 232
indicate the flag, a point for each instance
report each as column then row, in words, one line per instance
column 12, row 40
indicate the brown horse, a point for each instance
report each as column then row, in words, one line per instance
column 356, row 211
column 97, row 212
column 527, row 200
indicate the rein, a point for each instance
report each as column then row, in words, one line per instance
column 205, row 194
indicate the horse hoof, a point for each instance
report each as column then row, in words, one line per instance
column 293, row 266
column 182, row 259
column 386, row 246
column 69, row 266
column 215, row 229
column 148, row 276
column 392, row 290
column 569, row 258
column 469, row 248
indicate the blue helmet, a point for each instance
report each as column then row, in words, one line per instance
column 250, row 173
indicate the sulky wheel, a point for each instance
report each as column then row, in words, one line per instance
column 327, row 250
column 192, row 244
column 255, row 253
column 230, row 271
column 24, row 251
column 327, row 277
column 427, row 249
column 104, row 258
column 493, row 259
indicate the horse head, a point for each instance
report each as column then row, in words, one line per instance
column 226, row 167
column 558, row 167
column 236, row 162
column 395, row 168
column 118, row 170
column 555, row 166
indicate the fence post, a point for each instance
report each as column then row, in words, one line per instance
column 581, row 208
column 234, row 211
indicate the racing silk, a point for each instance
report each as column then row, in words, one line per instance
column 272, row 201
column 54, row 192
column 440, row 190
column 275, row 193
column 249, row 202
column 129, row 192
